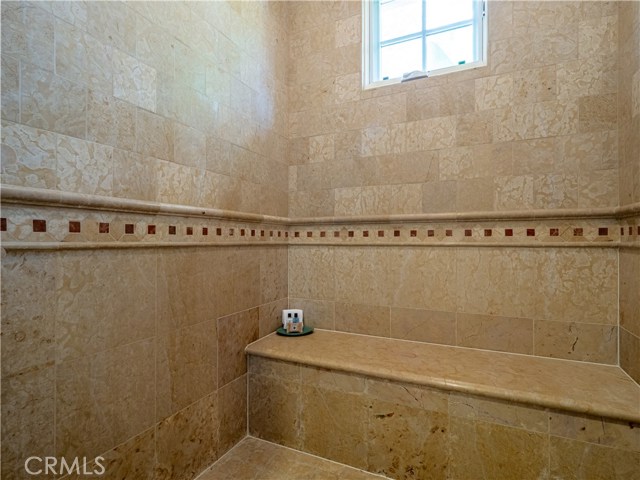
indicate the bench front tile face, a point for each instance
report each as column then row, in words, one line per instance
column 404, row 431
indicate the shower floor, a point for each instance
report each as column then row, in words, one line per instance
column 254, row 459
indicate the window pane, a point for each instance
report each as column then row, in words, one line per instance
column 399, row 18
column 446, row 12
column 400, row 58
column 450, row 48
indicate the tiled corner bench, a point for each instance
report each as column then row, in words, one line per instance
column 415, row 410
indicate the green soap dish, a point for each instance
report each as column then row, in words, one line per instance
column 305, row 331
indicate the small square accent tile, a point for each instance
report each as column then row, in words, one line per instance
column 103, row 227
column 39, row 226
column 323, row 234
column 74, row 227
column 271, row 233
column 296, row 234
column 488, row 232
column 129, row 228
column 189, row 230
column 396, row 233
column 262, row 233
column 231, row 231
column 414, row 233
column 309, row 234
column 365, row 233
column 622, row 231
column 638, row 229
column 430, row 233
column 531, row 232
column 381, row 233
column 448, row 233
column 253, row 233
column 577, row 232
column 508, row 232
column 218, row 231
column 467, row 233
column 350, row 233
column 151, row 229
column 554, row 232
column 286, row 234
column 242, row 232
column 205, row 231
column 172, row 229
column 336, row 234
column 3, row 224
column 630, row 230
column 603, row 231
column 279, row 233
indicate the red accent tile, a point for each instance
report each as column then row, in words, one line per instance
column 448, row 233
column 172, row 229
column 350, row 233
column 365, row 233
column 508, row 232
column 231, row 232
column 622, row 231
column 467, row 233
column 381, row 233
column 414, row 233
column 430, row 233
column 488, row 232
column 103, row 227
column 189, row 230
column 577, row 232
column 74, row 227
column 205, row 231
column 554, row 232
column 286, row 234
column 323, row 234
column 309, row 234
column 242, row 232
column 336, row 234
column 218, row 231
column 151, row 229
column 296, row 234
column 39, row 226
column 630, row 230
column 531, row 232
column 603, row 231
column 3, row 224
column 638, row 229
column 262, row 233
column 396, row 233
column 129, row 228
column 279, row 233
column 271, row 233
column 253, row 233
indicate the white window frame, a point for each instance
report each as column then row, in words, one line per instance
column 371, row 42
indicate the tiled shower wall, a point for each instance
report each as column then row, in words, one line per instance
column 536, row 129
column 176, row 102
column 629, row 122
column 137, row 353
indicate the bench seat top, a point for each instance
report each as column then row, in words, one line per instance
column 589, row 388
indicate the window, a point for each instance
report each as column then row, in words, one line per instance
column 433, row 36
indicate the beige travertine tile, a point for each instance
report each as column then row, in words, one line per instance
column 177, row 454
column 332, row 380
column 357, row 274
column 485, row 450
column 333, row 425
column 630, row 353
column 84, row 167
column 28, row 156
column 431, row 133
column 270, row 315
column 186, row 367
column 576, row 341
column 154, row 135
column 268, row 368
column 178, row 184
column 310, row 204
column 514, row 192
column 311, row 273
column 476, row 161
column 495, row 333
column 407, row 442
column 474, row 128
column 439, row 101
column 317, row 313
column 133, row 458
column 630, row 291
column 274, row 410
column 110, row 121
column 28, row 428
column 598, row 188
column 598, row 112
column 593, row 75
column 439, row 197
column 103, row 399
column 495, row 91
column 476, row 194
column 423, row 325
column 365, row 319
column 10, row 89
column 595, row 430
column 28, row 311
column 378, row 200
column 235, row 332
column 113, row 24
column 598, row 36
column 53, row 103
column 555, row 191
column 535, row 85
column 578, row 460
column 99, row 309
column 414, row 396
column 590, row 151
column 134, row 175
column 28, row 33
column 499, row 412
column 232, row 412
